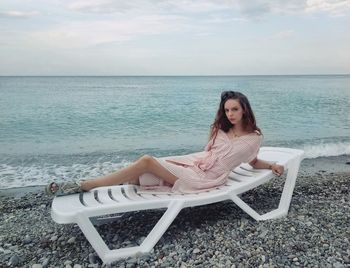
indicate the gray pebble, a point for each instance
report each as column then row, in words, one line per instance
column 263, row 233
column 7, row 251
column 338, row 265
column 27, row 239
column 14, row 248
column 131, row 260
column 115, row 238
column 92, row 258
column 45, row 262
column 14, row 260
column 71, row 240
column 196, row 250
column 165, row 264
column 145, row 257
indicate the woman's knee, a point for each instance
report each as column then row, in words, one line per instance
column 145, row 161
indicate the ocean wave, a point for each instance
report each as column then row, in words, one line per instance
column 42, row 169
column 20, row 176
column 326, row 149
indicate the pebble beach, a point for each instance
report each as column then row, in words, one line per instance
column 315, row 233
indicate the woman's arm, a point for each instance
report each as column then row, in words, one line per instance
column 258, row 163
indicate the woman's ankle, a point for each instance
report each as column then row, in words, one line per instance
column 85, row 185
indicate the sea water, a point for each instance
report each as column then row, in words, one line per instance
column 82, row 127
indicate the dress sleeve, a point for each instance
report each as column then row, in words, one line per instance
column 209, row 145
column 254, row 143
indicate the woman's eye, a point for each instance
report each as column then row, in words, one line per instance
column 232, row 110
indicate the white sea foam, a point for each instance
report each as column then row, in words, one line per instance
column 20, row 176
column 327, row 149
column 40, row 174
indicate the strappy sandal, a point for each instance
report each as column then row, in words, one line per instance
column 63, row 188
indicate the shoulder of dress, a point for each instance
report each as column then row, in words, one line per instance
column 257, row 137
column 254, row 139
column 254, row 135
column 258, row 132
column 221, row 133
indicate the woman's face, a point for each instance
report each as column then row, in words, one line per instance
column 233, row 111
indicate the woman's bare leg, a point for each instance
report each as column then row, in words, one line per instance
column 145, row 164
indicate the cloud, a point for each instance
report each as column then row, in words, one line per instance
column 259, row 8
column 13, row 14
column 254, row 9
column 147, row 6
column 203, row 6
column 335, row 8
column 94, row 33
column 249, row 9
column 102, row 6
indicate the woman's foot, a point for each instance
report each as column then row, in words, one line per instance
column 63, row 188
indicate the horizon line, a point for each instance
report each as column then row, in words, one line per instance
column 180, row 75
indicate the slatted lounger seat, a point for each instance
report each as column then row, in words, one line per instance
column 78, row 208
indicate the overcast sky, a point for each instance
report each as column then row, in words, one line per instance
column 152, row 37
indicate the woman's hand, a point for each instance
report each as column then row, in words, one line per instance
column 277, row 169
column 258, row 163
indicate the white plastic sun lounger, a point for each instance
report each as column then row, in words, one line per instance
column 78, row 208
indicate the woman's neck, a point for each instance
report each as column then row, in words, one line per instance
column 238, row 128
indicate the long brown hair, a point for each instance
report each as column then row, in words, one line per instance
column 221, row 121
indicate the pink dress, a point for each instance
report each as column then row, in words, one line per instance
column 204, row 170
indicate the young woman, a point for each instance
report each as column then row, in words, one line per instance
column 234, row 139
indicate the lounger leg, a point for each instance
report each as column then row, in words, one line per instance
column 162, row 225
column 246, row 208
column 286, row 196
column 285, row 200
column 108, row 256
column 289, row 185
column 93, row 236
